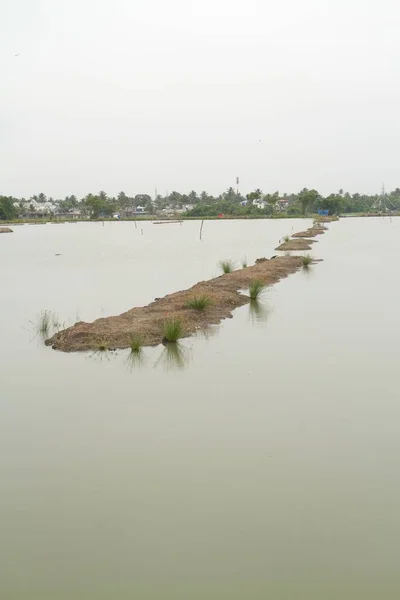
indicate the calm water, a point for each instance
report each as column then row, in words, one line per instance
column 262, row 462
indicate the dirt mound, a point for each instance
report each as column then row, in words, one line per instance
column 327, row 219
column 293, row 245
column 309, row 233
column 5, row 230
column 116, row 332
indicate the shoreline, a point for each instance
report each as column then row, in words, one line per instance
column 182, row 218
column 155, row 219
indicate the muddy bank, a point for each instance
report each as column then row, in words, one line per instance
column 166, row 222
column 294, row 245
column 309, row 233
column 116, row 332
column 327, row 219
column 5, row 230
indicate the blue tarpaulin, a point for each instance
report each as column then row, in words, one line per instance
column 323, row 213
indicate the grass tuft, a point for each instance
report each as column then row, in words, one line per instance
column 286, row 238
column 199, row 302
column 306, row 260
column 44, row 323
column 244, row 263
column 172, row 329
column 136, row 342
column 256, row 288
column 227, row 265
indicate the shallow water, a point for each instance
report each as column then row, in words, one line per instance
column 261, row 461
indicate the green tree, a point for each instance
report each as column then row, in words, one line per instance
column 143, row 200
column 98, row 206
column 271, row 200
column 256, row 195
column 334, row 203
column 306, row 199
column 176, row 199
column 230, row 195
column 193, row 197
column 7, row 208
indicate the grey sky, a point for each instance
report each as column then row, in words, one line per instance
column 136, row 94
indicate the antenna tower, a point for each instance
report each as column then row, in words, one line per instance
column 383, row 203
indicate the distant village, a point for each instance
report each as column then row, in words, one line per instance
column 229, row 203
column 125, row 207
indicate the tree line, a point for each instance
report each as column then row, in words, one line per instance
column 230, row 203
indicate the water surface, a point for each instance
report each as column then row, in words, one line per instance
column 263, row 463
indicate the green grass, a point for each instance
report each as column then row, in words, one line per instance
column 172, row 329
column 44, row 323
column 256, row 288
column 199, row 302
column 136, row 342
column 306, row 260
column 244, row 263
column 227, row 265
column 286, row 238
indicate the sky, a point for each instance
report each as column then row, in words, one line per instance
column 138, row 95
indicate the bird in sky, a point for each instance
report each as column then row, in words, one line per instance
column 17, row 54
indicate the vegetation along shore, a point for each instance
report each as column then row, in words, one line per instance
column 231, row 203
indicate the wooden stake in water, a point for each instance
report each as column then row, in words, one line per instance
column 201, row 228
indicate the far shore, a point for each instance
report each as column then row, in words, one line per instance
column 180, row 218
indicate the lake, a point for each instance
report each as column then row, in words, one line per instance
column 260, row 460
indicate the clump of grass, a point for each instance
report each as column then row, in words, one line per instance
column 286, row 238
column 256, row 288
column 227, row 265
column 244, row 263
column 306, row 260
column 172, row 329
column 44, row 322
column 199, row 302
column 136, row 343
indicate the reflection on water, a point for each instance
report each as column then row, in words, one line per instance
column 135, row 359
column 307, row 270
column 174, row 356
column 102, row 354
column 258, row 312
column 207, row 332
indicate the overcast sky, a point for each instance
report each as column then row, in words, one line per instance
column 135, row 95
